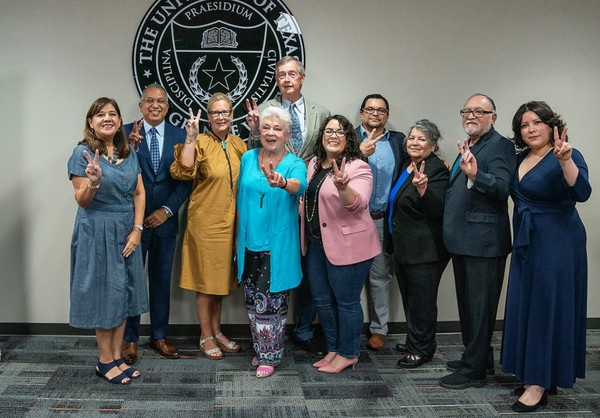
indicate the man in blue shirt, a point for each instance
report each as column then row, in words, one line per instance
column 383, row 151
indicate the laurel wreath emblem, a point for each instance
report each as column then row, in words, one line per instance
column 203, row 95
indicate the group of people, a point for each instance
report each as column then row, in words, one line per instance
column 312, row 204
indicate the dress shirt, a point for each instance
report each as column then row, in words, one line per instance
column 300, row 110
column 160, row 135
column 382, row 166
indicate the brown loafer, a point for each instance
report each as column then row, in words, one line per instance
column 165, row 348
column 376, row 342
column 129, row 352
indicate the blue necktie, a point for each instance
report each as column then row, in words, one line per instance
column 154, row 154
column 296, row 136
column 455, row 167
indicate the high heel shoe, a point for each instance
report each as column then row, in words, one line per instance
column 519, row 406
column 325, row 360
column 329, row 368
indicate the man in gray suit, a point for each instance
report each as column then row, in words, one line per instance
column 477, row 234
column 307, row 118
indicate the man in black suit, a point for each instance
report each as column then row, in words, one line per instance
column 383, row 151
column 154, row 139
column 477, row 235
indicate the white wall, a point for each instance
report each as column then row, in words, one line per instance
column 426, row 57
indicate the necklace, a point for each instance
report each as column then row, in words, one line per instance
column 310, row 217
column 115, row 157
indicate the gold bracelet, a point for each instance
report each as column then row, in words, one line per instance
column 89, row 185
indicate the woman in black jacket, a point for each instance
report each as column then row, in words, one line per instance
column 414, row 235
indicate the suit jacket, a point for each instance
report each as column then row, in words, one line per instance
column 349, row 234
column 476, row 220
column 161, row 188
column 315, row 116
column 396, row 140
column 416, row 236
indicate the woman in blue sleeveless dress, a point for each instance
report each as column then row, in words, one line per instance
column 545, row 319
column 107, row 275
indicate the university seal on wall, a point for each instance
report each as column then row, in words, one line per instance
column 195, row 48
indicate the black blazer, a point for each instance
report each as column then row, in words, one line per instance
column 161, row 188
column 417, row 221
column 476, row 220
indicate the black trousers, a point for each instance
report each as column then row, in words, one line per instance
column 478, row 282
column 419, row 285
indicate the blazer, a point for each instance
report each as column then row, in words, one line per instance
column 417, row 221
column 161, row 188
column 349, row 234
column 315, row 116
column 396, row 140
column 476, row 220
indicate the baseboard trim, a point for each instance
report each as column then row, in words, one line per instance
column 234, row 330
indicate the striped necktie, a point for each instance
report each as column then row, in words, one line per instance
column 296, row 135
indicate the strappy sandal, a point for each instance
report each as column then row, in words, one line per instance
column 102, row 369
column 212, row 353
column 264, row 371
column 230, row 347
column 130, row 371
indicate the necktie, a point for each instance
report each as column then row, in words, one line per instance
column 296, row 136
column 154, row 154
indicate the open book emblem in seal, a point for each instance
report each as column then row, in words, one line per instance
column 197, row 48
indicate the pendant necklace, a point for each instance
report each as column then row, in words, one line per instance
column 113, row 160
column 261, row 174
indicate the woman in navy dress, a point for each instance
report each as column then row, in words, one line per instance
column 545, row 319
column 107, row 275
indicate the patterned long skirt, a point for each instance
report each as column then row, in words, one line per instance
column 267, row 311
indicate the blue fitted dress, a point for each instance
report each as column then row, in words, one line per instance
column 106, row 287
column 545, row 319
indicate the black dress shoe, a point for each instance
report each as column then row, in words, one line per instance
column 401, row 348
column 521, row 389
column 521, row 407
column 458, row 381
column 412, row 361
column 312, row 346
column 454, row 365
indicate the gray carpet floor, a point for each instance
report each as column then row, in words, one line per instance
column 53, row 376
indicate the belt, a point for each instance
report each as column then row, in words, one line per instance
column 377, row 215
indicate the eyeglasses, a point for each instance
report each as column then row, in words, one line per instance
column 217, row 113
column 476, row 112
column 339, row 133
column 377, row 111
column 150, row 100
column 291, row 74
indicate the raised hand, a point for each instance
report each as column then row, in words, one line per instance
column 419, row 179
column 192, row 128
column 340, row 177
column 275, row 179
column 252, row 117
column 368, row 146
column 562, row 149
column 93, row 171
column 135, row 137
column 468, row 162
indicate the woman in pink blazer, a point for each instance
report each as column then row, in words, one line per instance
column 338, row 238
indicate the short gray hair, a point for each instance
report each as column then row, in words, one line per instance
column 274, row 112
column 430, row 130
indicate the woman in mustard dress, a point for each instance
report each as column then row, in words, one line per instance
column 212, row 161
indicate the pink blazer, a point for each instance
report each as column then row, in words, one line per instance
column 349, row 234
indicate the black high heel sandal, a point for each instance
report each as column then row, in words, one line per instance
column 103, row 368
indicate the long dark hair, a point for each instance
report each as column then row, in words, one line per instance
column 544, row 112
column 91, row 139
column 351, row 151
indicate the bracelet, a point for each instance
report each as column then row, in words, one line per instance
column 285, row 185
column 89, row 185
column 138, row 226
column 190, row 141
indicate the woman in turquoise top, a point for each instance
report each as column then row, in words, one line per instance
column 268, row 242
column 107, row 275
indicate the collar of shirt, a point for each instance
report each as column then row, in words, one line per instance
column 364, row 134
column 160, row 134
column 300, row 107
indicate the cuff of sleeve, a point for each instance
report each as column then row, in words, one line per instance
column 169, row 212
